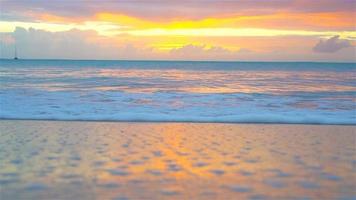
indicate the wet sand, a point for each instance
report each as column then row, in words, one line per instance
column 127, row 160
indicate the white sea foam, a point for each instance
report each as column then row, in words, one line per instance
column 179, row 91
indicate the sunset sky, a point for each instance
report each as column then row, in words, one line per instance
column 241, row 30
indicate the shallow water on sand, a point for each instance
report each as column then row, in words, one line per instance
column 111, row 160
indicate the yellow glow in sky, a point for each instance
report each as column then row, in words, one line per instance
column 109, row 29
column 226, row 33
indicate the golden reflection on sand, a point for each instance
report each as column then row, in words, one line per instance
column 112, row 160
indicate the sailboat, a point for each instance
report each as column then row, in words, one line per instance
column 16, row 58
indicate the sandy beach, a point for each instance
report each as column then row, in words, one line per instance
column 127, row 160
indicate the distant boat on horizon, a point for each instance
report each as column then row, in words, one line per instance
column 15, row 57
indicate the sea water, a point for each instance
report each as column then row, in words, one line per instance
column 245, row 92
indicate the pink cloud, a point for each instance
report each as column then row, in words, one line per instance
column 167, row 10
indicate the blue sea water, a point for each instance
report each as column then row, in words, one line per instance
column 253, row 92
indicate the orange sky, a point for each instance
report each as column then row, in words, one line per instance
column 198, row 30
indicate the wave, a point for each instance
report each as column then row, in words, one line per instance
column 298, row 93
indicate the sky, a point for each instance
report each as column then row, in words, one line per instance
column 232, row 30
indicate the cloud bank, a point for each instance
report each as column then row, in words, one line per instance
column 331, row 45
column 79, row 44
column 72, row 44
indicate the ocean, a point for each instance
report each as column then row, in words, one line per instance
column 179, row 91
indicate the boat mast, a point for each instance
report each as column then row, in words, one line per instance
column 15, row 53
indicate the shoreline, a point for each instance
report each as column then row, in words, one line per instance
column 189, row 122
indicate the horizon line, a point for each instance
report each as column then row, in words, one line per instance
column 180, row 60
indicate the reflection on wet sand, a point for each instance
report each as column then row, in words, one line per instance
column 111, row 160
